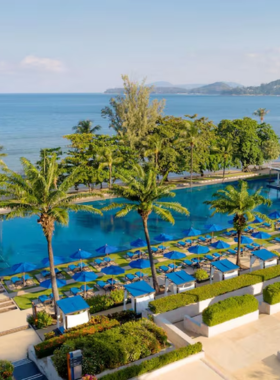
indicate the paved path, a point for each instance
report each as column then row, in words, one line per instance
column 14, row 346
column 26, row 370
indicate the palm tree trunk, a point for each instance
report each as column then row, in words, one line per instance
column 52, row 271
column 191, row 163
column 110, row 177
column 238, row 261
column 154, row 275
column 224, row 170
column 156, row 159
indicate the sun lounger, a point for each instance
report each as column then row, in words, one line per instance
column 187, row 263
column 108, row 260
column 164, row 269
column 98, row 262
column 112, row 282
column 249, row 247
column 276, row 240
column 181, row 244
column 174, row 266
column 129, row 277
column 131, row 255
column 17, row 280
column 217, row 255
column 102, row 285
column 44, row 299
column 266, row 225
column 231, row 251
column 209, row 257
column 75, row 291
column 141, row 275
column 154, row 249
column 162, row 248
column 27, row 277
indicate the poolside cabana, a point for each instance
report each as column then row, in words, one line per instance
column 265, row 257
column 225, row 269
column 74, row 311
column 141, row 294
column 181, row 281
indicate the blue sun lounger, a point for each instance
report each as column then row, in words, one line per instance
column 209, row 257
column 174, row 266
column 131, row 277
column 231, row 251
column 277, row 239
column 45, row 299
column 141, row 274
column 16, row 279
column 164, row 269
column 102, row 284
column 217, row 255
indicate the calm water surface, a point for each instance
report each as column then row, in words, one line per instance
column 23, row 240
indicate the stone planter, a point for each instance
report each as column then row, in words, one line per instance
column 266, row 308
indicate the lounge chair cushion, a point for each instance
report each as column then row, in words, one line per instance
column 43, row 298
column 101, row 284
column 72, row 267
column 139, row 274
column 88, row 288
column 188, row 262
column 164, row 268
column 16, row 279
column 75, row 291
column 130, row 276
column 209, row 257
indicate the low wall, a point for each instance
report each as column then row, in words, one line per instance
column 210, row 331
column 194, row 309
column 170, row 367
column 45, row 365
column 174, row 334
column 266, row 308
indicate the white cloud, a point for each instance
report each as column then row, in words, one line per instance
column 46, row 64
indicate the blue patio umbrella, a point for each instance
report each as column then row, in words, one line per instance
column 138, row 243
column 261, row 235
column 199, row 249
column 23, row 268
column 85, row 277
column 191, row 232
column 57, row 261
column 80, row 255
column 257, row 220
column 220, row 244
column 164, row 237
column 213, row 227
column 107, row 249
column 274, row 215
column 140, row 264
column 244, row 240
column 48, row 283
column 113, row 270
column 174, row 255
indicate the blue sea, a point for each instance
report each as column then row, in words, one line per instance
column 31, row 122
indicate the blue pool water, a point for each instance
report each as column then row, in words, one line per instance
column 23, row 240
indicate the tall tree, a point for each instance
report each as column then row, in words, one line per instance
column 261, row 113
column 33, row 193
column 85, row 126
column 144, row 195
column 239, row 202
column 193, row 137
column 133, row 115
column 108, row 157
column 224, row 149
column 155, row 144
column 2, row 163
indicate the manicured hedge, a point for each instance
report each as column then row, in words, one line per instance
column 48, row 346
column 104, row 302
column 173, row 302
column 271, row 294
column 229, row 308
column 154, row 363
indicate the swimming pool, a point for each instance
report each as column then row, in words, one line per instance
column 23, row 240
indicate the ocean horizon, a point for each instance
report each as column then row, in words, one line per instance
column 30, row 122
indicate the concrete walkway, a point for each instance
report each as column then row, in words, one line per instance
column 14, row 346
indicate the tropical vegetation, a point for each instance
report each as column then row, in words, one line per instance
column 237, row 201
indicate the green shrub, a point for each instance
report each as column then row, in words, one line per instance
column 271, row 294
column 229, row 308
column 47, row 347
column 42, row 320
column 201, row 275
column 154, row 363
column 100, row 303
column 6, row 370
column 114, row 348
column 49, row 335
column 117, row 296
column 124, row 316
column 175, row 301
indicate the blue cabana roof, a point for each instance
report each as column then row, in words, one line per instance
column 72, row 305
column 179, row 278
column 264, row 254
column 224, row 265
column 139, row 288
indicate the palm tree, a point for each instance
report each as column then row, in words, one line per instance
column 261, row 112
column 193, row 140
column 144, row 195
column 239, row 202
column 2, row 163
column 85, row 126
column 108, row 157
column 155, row 145
column 225, row 149
column 33, row 193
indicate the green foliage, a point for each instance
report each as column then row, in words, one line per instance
column 49, row 335
column 201, row 275
column 104, row 302
column 154, row 363
column 114, row 348
column 271, row 294
column 42, row 320
column 6, row 370
column 60, row 357
column 124, row 316
column 175, row 301
column 47, row 347
column 229, row 308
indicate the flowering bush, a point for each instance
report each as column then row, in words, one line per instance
column 47, row 347
column 6, row 370
column 89, row 377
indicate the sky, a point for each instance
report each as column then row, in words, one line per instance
column 85, row 46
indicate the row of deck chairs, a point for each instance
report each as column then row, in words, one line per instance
column 20, row 280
